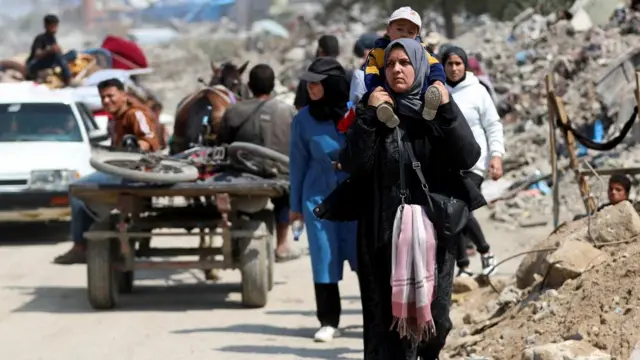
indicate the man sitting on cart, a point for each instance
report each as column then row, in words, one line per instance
column 128, row 119
column 264, row 121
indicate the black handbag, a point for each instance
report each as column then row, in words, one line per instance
column 448, row 215
column 343, row 203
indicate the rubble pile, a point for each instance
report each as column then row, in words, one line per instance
column 518, row 56
column 578, row 301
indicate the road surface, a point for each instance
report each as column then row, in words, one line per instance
column 44, row 313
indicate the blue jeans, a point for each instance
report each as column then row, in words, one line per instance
column 82, row 217
column 52, row 61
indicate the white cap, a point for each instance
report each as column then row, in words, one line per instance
column 406, row 13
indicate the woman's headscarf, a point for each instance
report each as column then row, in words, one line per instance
column 333, row 105
column 454, row 50
column 410, row 102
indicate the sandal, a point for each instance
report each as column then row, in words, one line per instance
column 288, row 256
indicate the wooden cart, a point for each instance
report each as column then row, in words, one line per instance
column 236, row 211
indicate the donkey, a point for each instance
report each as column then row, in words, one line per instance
column 224, row 88
column 230, row 76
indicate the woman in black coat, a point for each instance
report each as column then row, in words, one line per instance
column 444, row 146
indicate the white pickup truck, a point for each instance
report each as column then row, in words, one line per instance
column 45, row 142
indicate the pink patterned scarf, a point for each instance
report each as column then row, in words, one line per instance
column 413, row 273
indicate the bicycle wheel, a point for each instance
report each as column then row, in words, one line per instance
column 258, row 159
column 130, row 166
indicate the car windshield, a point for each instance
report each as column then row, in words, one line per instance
column 38, row 122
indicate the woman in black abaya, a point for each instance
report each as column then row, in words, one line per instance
column 444, row 147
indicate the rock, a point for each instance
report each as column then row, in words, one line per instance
column 463, row 284
column 617, row 223
column 510, row 295
column 568, row 350
column 468, row 319
column 570, row 260
column 613, row 223
column 464, row 342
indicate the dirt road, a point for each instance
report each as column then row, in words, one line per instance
column 172, row 316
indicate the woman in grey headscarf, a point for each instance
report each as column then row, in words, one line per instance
column 444, row 147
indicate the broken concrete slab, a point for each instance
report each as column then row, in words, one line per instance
column 568, row 350
column 570, row 261
column 613, row 223
column 617, row 223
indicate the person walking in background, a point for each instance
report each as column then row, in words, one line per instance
column 481, row 114
column 361, row 49
column 375, row 160
column 315, row 143
column 328, row 46
column 265, row 121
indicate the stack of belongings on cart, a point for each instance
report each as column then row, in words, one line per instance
column 12, row 70
column 114, row 53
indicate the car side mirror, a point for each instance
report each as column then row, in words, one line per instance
column 98, row 136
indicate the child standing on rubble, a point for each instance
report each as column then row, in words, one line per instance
column 404, row 23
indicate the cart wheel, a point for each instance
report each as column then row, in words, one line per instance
column 257, row 273
column 268, row 217
column 255, row 277
column 125, row 282
column 271, row 252
column 102, row 278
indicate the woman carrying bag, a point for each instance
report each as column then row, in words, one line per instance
column 383, row 163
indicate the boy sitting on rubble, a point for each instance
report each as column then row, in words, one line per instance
column 403, row 23
column 617, row 192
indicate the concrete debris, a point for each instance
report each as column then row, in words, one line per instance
column 580, row 303
column 570, row 260
column 568, row 350
column 613, row 223
column 517, row 55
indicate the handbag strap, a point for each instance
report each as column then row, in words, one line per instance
column 415, row 164
column 403, row 184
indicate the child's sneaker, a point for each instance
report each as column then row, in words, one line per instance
column 488, row 263
column 432, row 98
column 386, row 115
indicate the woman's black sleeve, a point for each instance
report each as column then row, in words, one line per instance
column 358, row 153
column 455, row 137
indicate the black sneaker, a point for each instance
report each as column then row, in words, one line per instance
column 464, row 272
